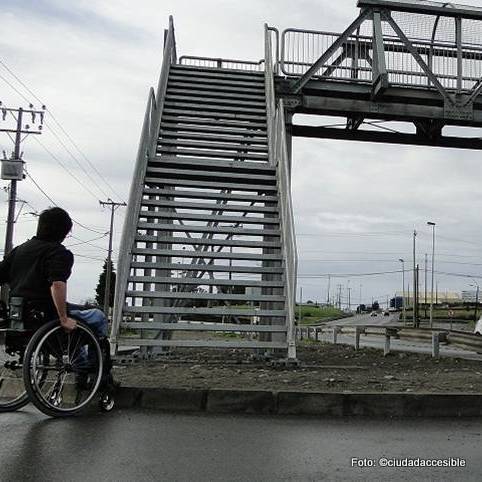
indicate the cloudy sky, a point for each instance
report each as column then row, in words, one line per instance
column 356, row 204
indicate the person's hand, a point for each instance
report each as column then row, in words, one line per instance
column 68, row 324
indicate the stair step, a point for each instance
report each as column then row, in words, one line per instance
column 210, row 185
column 245, row 167
column 207, row 242
column 205, row 281
column 184, row 253
column 207, row 268
column 193, row 107
column 178, row 228
column 200, row 326
column 196, row 132
column 199, row 173
column 213, row 143
column 209, row 206
column 207, row 73
column 221, row 196
column 216, row 94
column 220, row 101
column 181, row 310
column 190, row 112
column 215, row 86
column 240, row 344
column 202, row 241
column 208, row 217
column 185, row 119
column 226, row 70
column 204, row 296
column 184, row 151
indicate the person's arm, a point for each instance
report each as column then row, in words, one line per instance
column 58, row 290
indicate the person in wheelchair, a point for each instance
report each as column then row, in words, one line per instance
column 37, row 272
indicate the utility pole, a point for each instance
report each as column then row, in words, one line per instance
column 349, row 298
column 13, row 168
column 328, row 291
column 113, row 206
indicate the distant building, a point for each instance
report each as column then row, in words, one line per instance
column 440, row 297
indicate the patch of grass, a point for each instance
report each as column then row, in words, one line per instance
column 312, row 313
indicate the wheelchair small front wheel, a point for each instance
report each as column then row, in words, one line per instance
column 13, row 395
column 62, row 370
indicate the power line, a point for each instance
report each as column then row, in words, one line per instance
column 75, row 158
column 55, row 204
column 83, row 185
column 62, row 129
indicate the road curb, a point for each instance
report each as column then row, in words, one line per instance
column 322, row 404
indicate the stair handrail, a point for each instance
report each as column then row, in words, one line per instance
column 288, row 236
column 270, row 92
column 147, row 148
column 278, row 156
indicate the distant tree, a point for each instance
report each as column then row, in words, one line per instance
column 309, row 302
column 100, row 290
column 375, row 306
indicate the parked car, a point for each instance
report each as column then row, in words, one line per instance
column 373, row 313
column 386, row 313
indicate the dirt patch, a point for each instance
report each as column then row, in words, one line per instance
column 324, row 367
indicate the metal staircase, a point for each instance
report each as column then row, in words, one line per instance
column 204, row 249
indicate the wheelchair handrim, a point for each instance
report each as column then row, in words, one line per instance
column 33, row 367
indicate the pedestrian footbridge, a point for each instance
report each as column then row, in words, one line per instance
column 208, row 251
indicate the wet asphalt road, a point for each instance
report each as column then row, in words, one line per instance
column 152, row 446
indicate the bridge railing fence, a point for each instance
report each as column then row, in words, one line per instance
column 353, row 60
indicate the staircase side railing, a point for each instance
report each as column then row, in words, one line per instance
column 288, row 236
column 147, row 148
column 278, row 156
column 270, row 92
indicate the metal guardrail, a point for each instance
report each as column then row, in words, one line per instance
column 457, row 339
column 221, row 63
column 147, row 146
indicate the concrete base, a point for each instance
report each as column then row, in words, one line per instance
column 302, row 403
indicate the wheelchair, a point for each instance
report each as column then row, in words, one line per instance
column 59, row 372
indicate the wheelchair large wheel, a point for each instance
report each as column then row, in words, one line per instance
column 62, row 370
column 13, row 394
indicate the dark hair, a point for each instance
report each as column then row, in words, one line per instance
column 53, row 225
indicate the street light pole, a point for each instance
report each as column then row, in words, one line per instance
column 403, row 291
column 414, row 283
column 429, row 223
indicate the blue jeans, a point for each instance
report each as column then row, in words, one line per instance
column 94, row 319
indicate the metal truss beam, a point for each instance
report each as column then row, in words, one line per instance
column 386, row 137
column 418, row 58
column 380, row 75
column 426, row 7
column 298, row 84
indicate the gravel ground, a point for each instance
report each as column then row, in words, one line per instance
column 323, row 367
